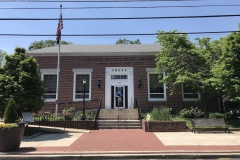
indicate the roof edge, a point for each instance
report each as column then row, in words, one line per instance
column 91, row 54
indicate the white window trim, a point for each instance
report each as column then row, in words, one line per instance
column 79, row 72
column 189, row 99
column 151, row 71
column 48, row 72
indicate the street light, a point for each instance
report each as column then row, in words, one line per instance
column 83, row 116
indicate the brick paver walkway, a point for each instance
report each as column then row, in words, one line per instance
column 126, row 141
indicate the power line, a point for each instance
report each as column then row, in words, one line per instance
column 110, row 35
column 93, row 1
column 120, row 18
column 131, row 7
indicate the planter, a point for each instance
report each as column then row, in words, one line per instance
column 10, row 139
column 164, row 126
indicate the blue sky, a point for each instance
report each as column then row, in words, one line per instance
column 8, row 44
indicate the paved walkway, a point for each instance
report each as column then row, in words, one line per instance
column 131, row 141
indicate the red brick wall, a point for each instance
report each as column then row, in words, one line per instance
column 98, row 64
column 164, row 126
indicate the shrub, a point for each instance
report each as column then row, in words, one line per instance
column 232, row 104
column 70, row 111
column 191, row 113
column 216, row 115
column 20, row 79
column 10, row 114
column 232, row 108
column 90, row 115
column 160, row 113
column 78, row 116
column 144, row 115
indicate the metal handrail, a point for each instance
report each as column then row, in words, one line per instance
column 139, row 109
column 98, row 111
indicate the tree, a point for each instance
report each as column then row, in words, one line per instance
column 21, row 80
column 2, row 57
column 10, row 113
column 125, row 41
column 44, row 43
column 226, row 70
column 186, row 63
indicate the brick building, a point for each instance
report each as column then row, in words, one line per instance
column 117, row 74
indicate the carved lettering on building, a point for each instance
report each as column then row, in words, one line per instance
column 119, row 70
column 149, row 58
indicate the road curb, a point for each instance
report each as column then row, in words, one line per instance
column 119, row 156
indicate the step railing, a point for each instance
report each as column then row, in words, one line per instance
column 98, row 112
column 139, row 109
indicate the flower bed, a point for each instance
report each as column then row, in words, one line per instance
column 164, row 126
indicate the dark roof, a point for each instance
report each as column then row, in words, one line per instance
column 95, row 50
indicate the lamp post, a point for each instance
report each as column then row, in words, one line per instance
column 83, row 116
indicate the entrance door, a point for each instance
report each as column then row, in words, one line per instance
column 119, row 96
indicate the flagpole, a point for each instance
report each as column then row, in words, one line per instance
column 58, row 68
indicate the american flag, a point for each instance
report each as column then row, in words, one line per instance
column 59, row 28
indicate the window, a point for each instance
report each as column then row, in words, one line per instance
column 79, row 92
column 49, row 77
column 156, row 90
column 50, row 82
column 119, row 76
column 79, row 76
column 189, row 93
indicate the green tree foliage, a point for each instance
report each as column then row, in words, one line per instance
column 2, row 57
column 10, row 113
column 217, row 115
column 226, row 70
column 21, row 80
column 191, row 113
column 125, row 41
column 44, row 43
column 186, row 62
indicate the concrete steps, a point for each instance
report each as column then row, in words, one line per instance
column 115, row 114
column 119, row 119
column 121, row 124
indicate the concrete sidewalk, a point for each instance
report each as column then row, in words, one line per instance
column 131, row 143
column 166, row 138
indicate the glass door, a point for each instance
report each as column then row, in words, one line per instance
column 119, row 97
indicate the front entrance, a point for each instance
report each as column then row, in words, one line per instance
column 119, row 91
column 119, row 96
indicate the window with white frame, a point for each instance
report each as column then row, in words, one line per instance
column 49, row 77
column 79, row 76
column 119, row 76
column 156, row 90
column 189, row 93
